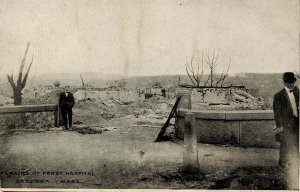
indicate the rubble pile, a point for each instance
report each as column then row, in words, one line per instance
column 109, row 98
column 101, row 106
column 35, row 96
column 222, row 99
column 153, row 111
column 204, row 97
column 142, row 111
column 98, row 106
column 115, row 103
column 6, row 101
column 242, row 100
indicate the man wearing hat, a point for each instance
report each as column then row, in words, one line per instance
column 286, row 114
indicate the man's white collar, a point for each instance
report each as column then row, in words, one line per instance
column 287, row 89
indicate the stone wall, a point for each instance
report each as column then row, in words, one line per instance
column 27, row 117
column 244, row 128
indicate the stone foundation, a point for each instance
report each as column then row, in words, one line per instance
column 27, row 117
column 243, row 128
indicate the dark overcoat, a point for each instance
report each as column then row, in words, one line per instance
column 284, row 117
column 66, row 102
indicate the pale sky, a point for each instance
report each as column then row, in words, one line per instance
column 135, row 38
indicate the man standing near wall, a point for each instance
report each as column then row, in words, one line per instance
column 66, row 103
column 286, row 114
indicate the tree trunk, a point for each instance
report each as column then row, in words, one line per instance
column 17, row 97
column 17, row 88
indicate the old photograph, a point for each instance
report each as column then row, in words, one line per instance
column 149, row 94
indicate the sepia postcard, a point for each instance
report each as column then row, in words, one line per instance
column 149, row 94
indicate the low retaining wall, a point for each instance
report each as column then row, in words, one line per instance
column 38, row 117
column 245, row 128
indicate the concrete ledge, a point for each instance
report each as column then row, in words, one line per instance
column 250, row 115
column 28, row 108
column 204, row 114
column 230, row 115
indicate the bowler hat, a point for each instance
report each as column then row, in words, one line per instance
column 289, row 77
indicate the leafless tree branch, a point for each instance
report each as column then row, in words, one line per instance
column 211, row 60
column 17, row 88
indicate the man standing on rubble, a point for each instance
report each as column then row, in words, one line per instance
column 286, row 114
column 66, row 103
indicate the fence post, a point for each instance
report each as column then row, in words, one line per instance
column 190, row 153
column 185, row 101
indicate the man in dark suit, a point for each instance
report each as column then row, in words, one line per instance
column 286, row 114
column 66, row 103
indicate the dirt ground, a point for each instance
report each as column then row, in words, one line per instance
column 127, row 157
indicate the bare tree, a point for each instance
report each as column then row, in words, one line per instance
column 21, row 82
column 213, row 79
column 84, row 86
column 82, row 82
column 194, row 76
column 179, row 80
column 211, row 61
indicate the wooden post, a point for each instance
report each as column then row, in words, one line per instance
column 190, row 153
column 185, row 101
